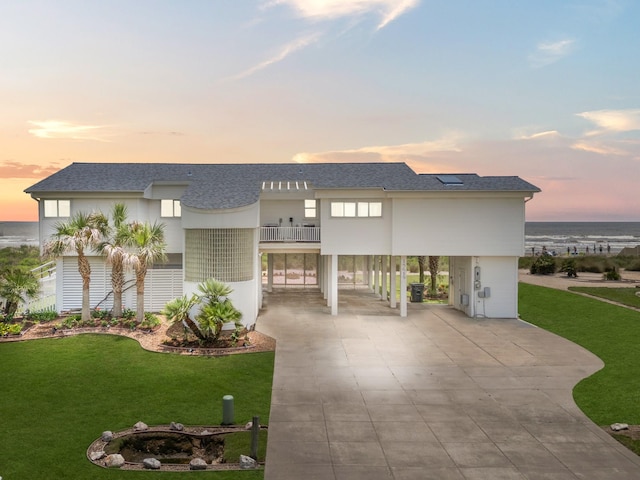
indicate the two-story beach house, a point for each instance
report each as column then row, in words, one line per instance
column 261, row 226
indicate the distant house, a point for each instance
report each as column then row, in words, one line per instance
column 261, row 226
column 630, row 251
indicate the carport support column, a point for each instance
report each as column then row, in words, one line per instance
column 325, row 278
column 370, row 263
column 376, row 275
column 392, row 286
column 385, row 263
column 269, row 272
column 333, row 281
column 403, row 286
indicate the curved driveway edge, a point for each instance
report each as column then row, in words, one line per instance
column 437, row 395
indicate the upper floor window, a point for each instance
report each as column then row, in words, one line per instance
column 310, row 208
column 356, row 209
column 170, row 208
column 57, row 208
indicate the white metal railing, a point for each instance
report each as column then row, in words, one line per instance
column 289, row 234
column 46, row 300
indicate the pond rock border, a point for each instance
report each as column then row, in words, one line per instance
column 96, row 451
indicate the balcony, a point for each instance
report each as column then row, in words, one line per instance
column 276, row 234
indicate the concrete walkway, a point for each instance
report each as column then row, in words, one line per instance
column 436, row 395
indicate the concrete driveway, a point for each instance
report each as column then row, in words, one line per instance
column 436, row 395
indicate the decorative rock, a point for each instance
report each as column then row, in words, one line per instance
column 197, row 464
column 97, row 455
column 205, row 432
column 107, row 436
column 616, row 427
column 140, row 427
column 178, row 427
column 151, row 463
column 248, row 426
column 115, row 460
column 247, row 463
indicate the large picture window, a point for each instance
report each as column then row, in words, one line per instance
column 356, row 209
column 57, row 208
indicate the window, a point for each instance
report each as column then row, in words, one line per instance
column 57, row 208
column 310, row 208
column 356, row 209
column 170, row 208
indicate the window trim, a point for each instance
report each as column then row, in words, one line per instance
column 55, row 208
column 308, row 209
column 355, row 209
column 175, row 206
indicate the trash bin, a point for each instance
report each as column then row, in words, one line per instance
column 417, row 292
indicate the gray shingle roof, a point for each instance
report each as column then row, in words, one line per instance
column 214, row 186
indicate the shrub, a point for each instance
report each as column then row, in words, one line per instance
column 611, row 274
column 634, row 265
column 71, row 321
column 569, row 267
column 150, row 320
column 128, row 314
column 42, row 316
column 545, row 264
column 99, row 314
column 10, row 329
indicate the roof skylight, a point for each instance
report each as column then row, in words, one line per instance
column 449, row 179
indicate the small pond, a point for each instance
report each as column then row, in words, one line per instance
column 168, row 447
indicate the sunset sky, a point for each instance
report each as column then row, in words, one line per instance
column 547, row 90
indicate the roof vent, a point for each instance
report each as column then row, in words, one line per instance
column 449, row 180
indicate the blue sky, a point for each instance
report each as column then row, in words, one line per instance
column 545, row 90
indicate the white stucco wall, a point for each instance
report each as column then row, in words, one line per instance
column 245, row 217
column 499, row 274
column 356, row 235
column 458, row 227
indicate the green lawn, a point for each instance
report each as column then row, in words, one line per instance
column 609, row 331
column 59, row 395
column 626, row 296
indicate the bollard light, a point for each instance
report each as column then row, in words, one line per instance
column 227, row 410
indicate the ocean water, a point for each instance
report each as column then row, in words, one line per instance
column 558, row 236
column 14, row 234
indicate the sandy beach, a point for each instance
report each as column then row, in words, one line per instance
column 585, row 279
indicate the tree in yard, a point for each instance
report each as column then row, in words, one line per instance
column 422, row 261
column 16, row 287
column 149, row 247
column 434, row 265
column 82, row 233
column 114, row 249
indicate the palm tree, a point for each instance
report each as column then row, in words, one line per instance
column 115, row 252
column 434, row 265
column 83, row 232
column 16, row 286
column 214, row 315
column 177, row 311
column 149, row 245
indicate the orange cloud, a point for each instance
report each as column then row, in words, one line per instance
column 10, row 169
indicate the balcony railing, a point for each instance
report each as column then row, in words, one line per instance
column 290, row 234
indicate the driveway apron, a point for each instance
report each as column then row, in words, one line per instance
column 436, row 395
